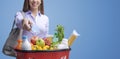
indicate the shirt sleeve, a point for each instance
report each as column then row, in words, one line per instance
column 18, row 19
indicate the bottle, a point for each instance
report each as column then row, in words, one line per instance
column 26, row 44
column 19, row 44
column 73, row 36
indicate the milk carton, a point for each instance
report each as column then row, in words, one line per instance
column 26, row 44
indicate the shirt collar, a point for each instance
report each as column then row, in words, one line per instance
column 29, row 12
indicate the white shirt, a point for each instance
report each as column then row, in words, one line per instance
column 40, row 20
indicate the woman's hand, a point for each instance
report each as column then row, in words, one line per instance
column 26, row 24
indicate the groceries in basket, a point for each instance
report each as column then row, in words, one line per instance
column 53, row 42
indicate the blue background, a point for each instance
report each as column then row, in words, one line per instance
column 97, row 21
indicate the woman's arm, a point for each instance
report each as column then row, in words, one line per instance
column 22, row 22
column 18, row 19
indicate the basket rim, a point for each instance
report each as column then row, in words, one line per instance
column 43, row 50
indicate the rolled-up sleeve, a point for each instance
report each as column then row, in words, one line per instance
column 18, row 19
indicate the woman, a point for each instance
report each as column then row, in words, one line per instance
column 34, row 17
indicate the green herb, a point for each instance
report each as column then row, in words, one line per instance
column 60, row 33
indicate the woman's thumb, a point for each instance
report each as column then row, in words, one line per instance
column 29, row 22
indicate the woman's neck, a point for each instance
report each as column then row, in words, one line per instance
column 34, row 12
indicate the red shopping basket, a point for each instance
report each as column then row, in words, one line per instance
column 44, row 54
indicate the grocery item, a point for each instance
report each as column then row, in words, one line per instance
column 50, row 38
column 73, row 36
column 47, row 41
column 59, row 33
column 40, row 42
column 46, row 47
column 34, row 39
column 26, row 44
column 19, row 44
column 64, row 44
column 58, row 36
